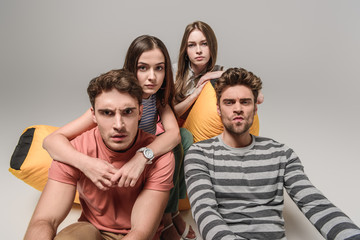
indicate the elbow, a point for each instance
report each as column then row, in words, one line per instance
column 177, row 136
column 45, row 143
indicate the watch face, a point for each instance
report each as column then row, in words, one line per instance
column 148, row 153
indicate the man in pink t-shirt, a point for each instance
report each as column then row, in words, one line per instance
column 119, row 212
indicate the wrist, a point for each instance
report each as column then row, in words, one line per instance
column 141, row 158
column 147, row 153
column 82, row 162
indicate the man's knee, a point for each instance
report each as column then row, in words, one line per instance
column 79, row 230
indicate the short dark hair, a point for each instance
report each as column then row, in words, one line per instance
column 238, row 76
column 120, row 79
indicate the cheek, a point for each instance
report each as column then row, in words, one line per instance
column 207, row 52
column 141, row 78
column 189, row 52
column 161, row 78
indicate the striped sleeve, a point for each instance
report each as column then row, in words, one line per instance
column 329, row 220
column 202, row 197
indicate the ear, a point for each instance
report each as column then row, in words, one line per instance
column 140, row 111
column 218, row 109
column 255, row 109
column 93, row 115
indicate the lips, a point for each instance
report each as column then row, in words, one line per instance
column 118, row 137
column 199, row 58
column 238, row 119
column 150, row 86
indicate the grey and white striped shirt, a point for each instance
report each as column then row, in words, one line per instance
column 237, row 193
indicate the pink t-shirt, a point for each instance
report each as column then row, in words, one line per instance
column 111, row 210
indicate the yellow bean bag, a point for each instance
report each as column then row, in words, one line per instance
column 203, row 120
column 30, row 162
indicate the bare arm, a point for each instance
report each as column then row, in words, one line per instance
column 54, row 205
column 59, row 147
column 144, row 226
column 183, row 106
column 131, row 171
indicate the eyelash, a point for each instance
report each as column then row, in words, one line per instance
column 144, row 68
column 193, row 45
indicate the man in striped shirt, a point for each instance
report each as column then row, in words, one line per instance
column 235, row 181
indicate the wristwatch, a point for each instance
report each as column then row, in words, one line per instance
column 148, row 154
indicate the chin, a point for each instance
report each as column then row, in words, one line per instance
column 118, row 146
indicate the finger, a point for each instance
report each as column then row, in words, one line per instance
column 133, row 182
column 108, row 175
column 114, row 178
column 106, row 182
column 127, row 182
column 100, row 186
column 121, row 181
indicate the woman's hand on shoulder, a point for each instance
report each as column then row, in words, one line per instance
column 208, row 76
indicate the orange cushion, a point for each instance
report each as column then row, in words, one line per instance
column 30, row 162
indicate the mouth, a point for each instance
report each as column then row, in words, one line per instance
column 151, row 86
column 199, row 58
column 238, row 119
column 118, row 137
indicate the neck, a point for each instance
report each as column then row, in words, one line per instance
column 197, row 69
column 237, row 140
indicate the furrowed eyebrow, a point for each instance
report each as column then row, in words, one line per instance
column 128, row 108
column 104, row 109
column 108, row 109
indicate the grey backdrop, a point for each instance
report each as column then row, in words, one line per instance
column 306, row 52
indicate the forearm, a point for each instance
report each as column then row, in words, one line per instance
column 171, row 136
column 145, row 226
column 204, row 205
column 181, row 107
column 165, row 142
column 329, row 220
column 64, row 152
column 40, row 230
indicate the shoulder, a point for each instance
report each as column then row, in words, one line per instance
column 205, row 145
column 144, row 139
column 270, row 145
column 86, row 140
column 267, row 141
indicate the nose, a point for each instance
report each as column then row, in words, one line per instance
column 152, row 75
column 118, row 122
column 198, row 49
column 237, row 108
